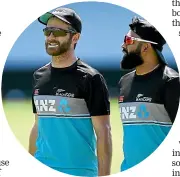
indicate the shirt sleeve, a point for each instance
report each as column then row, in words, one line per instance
column 172, row 95
column 33, row 89
column 98, row 97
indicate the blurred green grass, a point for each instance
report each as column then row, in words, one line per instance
column 20, row 118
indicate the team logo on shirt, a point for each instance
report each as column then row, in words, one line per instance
column 133, row 112
column 140, row 97
column 62, row 92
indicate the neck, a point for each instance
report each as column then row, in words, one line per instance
column 147, row 67
column 64, row 60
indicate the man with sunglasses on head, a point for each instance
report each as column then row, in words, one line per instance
column 149, row 95
column 70, row 100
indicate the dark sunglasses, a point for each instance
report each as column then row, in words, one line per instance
column 57, row 32
column 129, row 40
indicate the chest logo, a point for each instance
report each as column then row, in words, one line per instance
column 134, row 112
column 63, row 106
column 63, row 93
column 141, row 97
column 45, row 105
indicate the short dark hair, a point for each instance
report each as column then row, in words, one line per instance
column 71, row 35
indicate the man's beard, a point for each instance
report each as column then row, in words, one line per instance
column 131, row 60
column 59, row 49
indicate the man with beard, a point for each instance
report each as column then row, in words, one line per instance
column 70, row 100
column 149, row 95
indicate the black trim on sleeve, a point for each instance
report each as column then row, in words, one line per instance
column 98, row 97
column 172, row 95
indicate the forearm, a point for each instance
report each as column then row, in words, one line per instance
column 104, row 153
column 32, row 140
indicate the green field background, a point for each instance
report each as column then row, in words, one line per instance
column 20, row 118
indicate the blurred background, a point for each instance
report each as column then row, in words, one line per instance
column 104, row 27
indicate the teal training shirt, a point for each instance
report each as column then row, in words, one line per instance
column 64, row 100
column 148, row 105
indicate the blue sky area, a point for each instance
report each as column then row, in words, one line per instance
column 104, row 26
